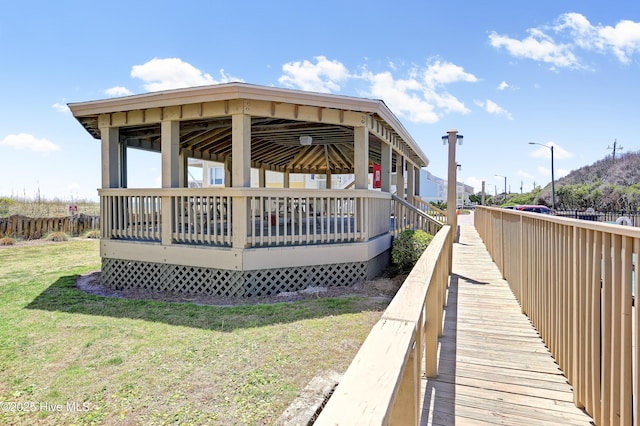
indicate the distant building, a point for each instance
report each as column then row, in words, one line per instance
column 434, row 189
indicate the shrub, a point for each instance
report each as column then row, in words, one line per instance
column 5, row 205
column 57, row 236
column 408, row 247
column 7, row 241
column 95, row 234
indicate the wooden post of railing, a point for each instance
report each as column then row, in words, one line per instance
column 167, row 220
column 240, row 224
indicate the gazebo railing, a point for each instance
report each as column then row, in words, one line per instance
column 239, row 217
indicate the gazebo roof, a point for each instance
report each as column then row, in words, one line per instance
column 279, row 118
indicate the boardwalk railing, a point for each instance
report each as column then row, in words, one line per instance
column 433, row 211
column 630, row 217
column 382, row 384
column 576, row 280
column 243, row 217
column 407, row 216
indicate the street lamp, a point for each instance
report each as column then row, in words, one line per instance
column 553, row 185
column 505, row 186
column 452, row 183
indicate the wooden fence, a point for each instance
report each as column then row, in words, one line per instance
column 577, row 282
column 629, row 217
column 32, row 228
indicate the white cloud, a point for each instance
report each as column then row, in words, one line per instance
column 623, row 40
column 441, row 73
column 173, row 73
column 524, row 174
column 118, row 91
column 60, row 107
column 494, row 109
column 402, row 97
column 476, row 183
column 539, row 47
column 421, row 97
column 559, row 153
column 324, row 76
column 504, row 85
column 29, row 142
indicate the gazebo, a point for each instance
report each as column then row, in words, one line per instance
column 244, row 240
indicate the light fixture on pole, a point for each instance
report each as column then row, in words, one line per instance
column 452, row 137
column 505, row 186
column 553, row 185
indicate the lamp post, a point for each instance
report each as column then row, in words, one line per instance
column 553, row 185
column 505, row 186
column 452, row 137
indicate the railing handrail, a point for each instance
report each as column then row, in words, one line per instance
column 382, row 384
column 574, row 279
column 431, row 206
column 203, row 192
column 433, row 225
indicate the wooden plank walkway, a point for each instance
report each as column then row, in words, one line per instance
column 493, row 366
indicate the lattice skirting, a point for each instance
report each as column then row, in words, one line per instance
column 121, row 274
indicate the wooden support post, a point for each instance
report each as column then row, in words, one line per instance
column 361, row 157
column 110, row 157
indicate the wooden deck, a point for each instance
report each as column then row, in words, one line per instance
column 493, row 366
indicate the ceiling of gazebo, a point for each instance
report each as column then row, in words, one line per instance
column 275, row 143
column 279, row 117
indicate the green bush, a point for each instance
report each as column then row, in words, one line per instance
column 408, row 247
column 5, row 205
column 57, row 237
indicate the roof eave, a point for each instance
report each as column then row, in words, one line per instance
column 235, row 90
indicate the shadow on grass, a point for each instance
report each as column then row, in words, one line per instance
column 64, row 296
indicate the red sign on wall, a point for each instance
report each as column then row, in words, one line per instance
column 377, row 175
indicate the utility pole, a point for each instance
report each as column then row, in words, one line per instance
column 614, row 148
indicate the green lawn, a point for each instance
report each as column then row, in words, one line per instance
column 67, row 357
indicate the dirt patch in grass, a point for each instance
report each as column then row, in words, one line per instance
column 378, row 289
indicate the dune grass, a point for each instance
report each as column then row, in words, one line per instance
column 67, row 357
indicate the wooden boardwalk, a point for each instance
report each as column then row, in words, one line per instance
column 493, row 366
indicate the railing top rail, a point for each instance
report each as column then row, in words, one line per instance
column 408, row 301
column 432, row 207
column 250, row 192
column 413, row 208
column 627, row 231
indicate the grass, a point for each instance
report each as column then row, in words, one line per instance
column 117, row 361
column 38, row 206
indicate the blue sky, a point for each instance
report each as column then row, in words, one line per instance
column 503, row 73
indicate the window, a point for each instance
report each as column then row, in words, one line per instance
column 216, row 176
